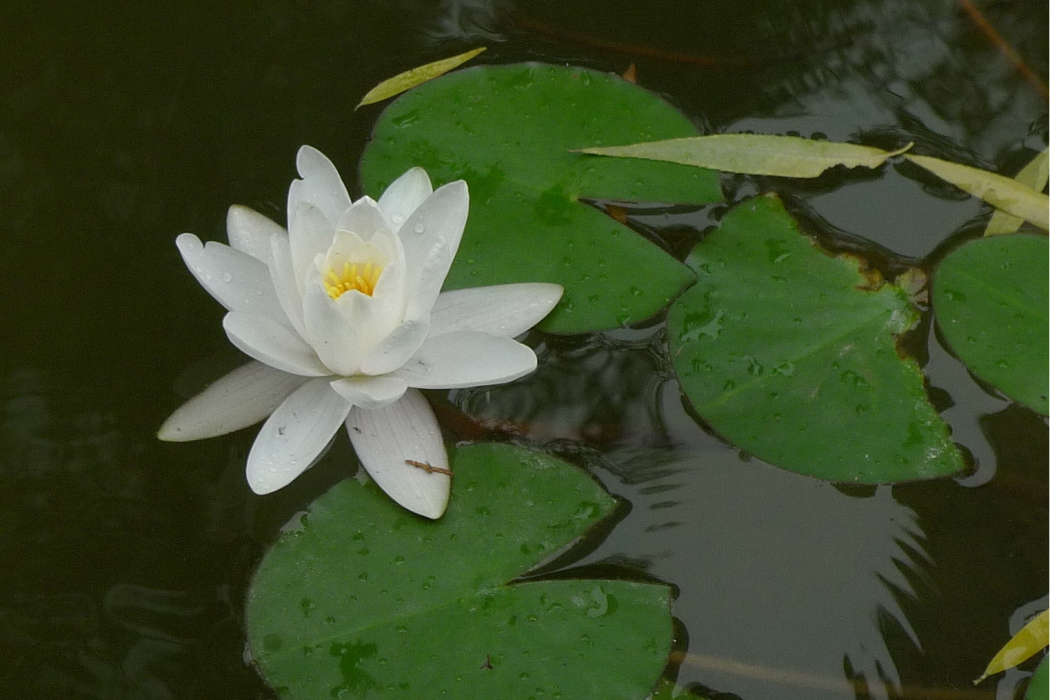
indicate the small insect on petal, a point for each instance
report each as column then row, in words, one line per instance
column 416, row 76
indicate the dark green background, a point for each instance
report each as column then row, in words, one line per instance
column 123, row 124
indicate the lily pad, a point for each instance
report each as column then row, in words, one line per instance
column 1038, row 687
column 990, row 297
column 362, row 599
column 790, row 354
column 508, row 131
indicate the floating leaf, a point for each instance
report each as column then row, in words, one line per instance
column 507, row 130
column 1039, row 686
column 755, row 154
column 1033, row 175
column 416, row 76
column 990, row 297
column 790, row 354
column 1030, row 640
column 1002, row 192
column 361, row 598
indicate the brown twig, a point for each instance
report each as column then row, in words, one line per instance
column 996, row 40
column 629, row 49
column 428, row 468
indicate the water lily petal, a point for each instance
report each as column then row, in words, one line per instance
column 310, row 235
column 425, row 286
column 388, row 439
column 506, row 310
column 439, row 219
column 396, row 349
column 236, row 280
column 320, row 186
column 277, row 345
column 294, row 435
column 243, row 397
column 364, row 217
column 343, row 331
column 282, row 275
column 370, row 392
column 249, row 232
column 467, row 358
column 404, row 196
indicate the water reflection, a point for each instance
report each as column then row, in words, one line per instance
column 117, row 563
column 784, row 579
column 599, row 389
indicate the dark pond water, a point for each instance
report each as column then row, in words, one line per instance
column 125, row 560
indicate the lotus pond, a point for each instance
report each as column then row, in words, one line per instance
column 786, row 436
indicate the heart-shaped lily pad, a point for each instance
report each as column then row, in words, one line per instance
column 990, row 297
column 790, row 354
column 508, row 131
column 363, row 599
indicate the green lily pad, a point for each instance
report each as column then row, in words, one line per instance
column 508, row 131
column 789, row 353
column 1038, row 687
column 990, row 297
column 363, row 599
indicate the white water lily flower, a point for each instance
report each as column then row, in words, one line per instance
column 344, row 318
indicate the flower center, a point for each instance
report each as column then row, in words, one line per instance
column 363, row 278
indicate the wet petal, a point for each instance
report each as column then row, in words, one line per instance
column 370, row 392
column 439, row 219
column 404, row 196
column 294, row 435
column 249, row 232
column 310, row 235
column 467, row 358
column 387, row 439
column 364, row 218
column 396, row 349
column 277, row 345
column 243, row 397
column 320, row 186
column 285, row 287
column 424, row 284
column 236, row 280
column 506, row 310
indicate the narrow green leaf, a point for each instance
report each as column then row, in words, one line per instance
column 360, row 598
column 790, row 354
column 1033, row 175
column 990, row 299
column 1029, row 640
column 754, row 154
column 415, row 76
column 1002, row 192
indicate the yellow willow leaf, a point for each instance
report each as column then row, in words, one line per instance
column 415, row 76
column 1001, row 192
column 1033, row 175
column 755, row 154
column 1032, row 637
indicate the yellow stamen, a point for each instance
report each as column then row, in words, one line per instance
column 363, row 278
